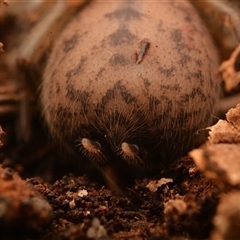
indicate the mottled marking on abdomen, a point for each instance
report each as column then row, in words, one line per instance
column 96, row 93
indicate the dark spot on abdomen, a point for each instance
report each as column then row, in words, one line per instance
column 118, row 59
column 121, row 36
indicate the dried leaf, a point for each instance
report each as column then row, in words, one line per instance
column 230, row 75
column 219, row 162
column 223, row 132
column 227, row 218
column 154, row 185
column 226, row 131
column 233, row 116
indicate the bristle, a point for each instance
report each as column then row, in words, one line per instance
column 92, row 150
column 130, row 154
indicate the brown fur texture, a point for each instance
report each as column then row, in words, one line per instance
column 95, row 89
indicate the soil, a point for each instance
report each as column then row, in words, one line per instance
column 181, row 208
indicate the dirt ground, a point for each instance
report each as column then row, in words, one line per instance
column 43, row 195
column 188, row 201
column 74, row 207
